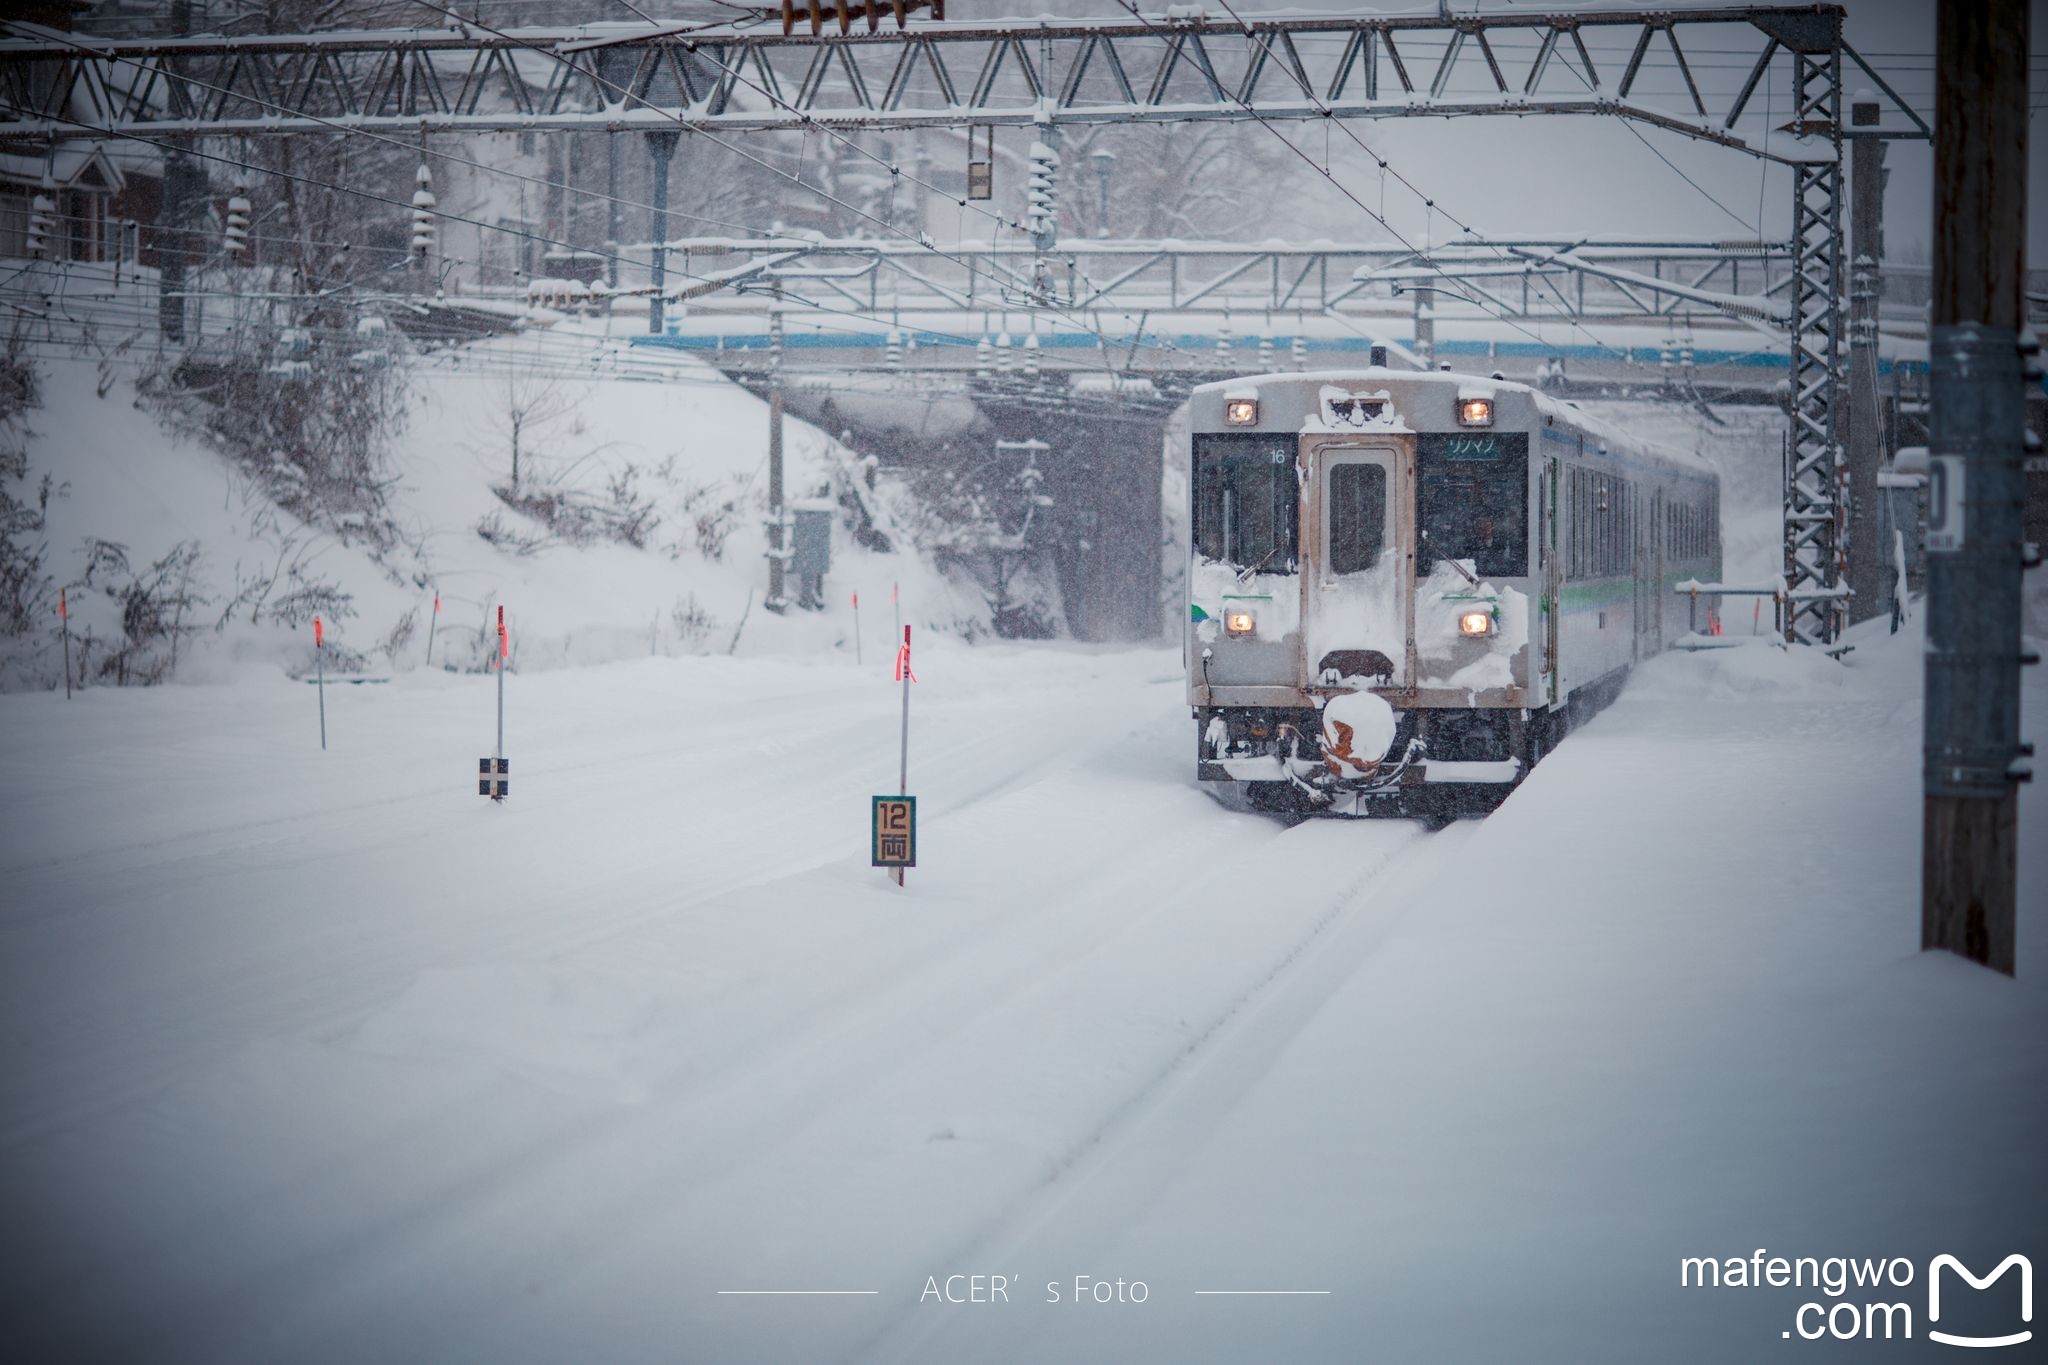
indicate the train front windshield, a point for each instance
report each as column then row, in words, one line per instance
column 1247, row 507
column 1472, row 493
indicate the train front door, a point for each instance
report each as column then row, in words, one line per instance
column 1359, row 591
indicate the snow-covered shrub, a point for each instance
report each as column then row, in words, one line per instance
column 621, row 513
column 158, row 606
column 712, row 516
column 693, row 623
column 315, row 433
column 27, row 595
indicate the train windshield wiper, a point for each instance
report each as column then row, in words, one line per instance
column 1245, row 575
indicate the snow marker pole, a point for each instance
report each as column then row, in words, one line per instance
column 64, row 616
column 504, row 652
column 896, row 607
column 856, row 628
column 320, row 675
column 433, row 621
column 903, row 769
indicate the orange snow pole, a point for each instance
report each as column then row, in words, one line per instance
column 320, row 676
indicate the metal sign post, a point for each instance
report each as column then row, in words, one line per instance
column 320, row 676
column 64, row 618
column 899, row 838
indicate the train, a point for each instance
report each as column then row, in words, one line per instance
column 1405, row 587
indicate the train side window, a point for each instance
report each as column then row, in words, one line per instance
column 1603, row 508
column 1358, row 516
column 1578, row 511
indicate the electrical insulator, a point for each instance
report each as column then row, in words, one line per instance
column 1031, row 357
column 40, row 220
column 1003, row 353
column 422, row 212
column 1265, row 353
column 893, row 354
column 235, row 237
column 1041, row 194
column 984, row 351
column 1300, row 349
column 1223, row 346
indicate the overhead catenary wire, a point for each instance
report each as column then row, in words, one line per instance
column 894, row 170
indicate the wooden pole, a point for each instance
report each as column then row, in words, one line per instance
column 1976, row 442
column 64, row 616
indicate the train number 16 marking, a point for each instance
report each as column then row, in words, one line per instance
column 895, row 835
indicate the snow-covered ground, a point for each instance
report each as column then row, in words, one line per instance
column 321, row 1057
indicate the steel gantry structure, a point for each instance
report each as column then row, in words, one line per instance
column 1186, row 64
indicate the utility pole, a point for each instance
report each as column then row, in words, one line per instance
column 611, row 216
column 1976, row 443
column 778, row 553
column 172, row 213
column 1867, row 557
column 661, row 148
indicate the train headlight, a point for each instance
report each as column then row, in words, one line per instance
column 1475, row 412
column 1238, row 622
column 1240, row 412
column 1475, row 623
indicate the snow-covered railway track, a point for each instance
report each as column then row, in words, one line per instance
column 317, row 971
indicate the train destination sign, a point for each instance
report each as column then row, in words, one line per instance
column 894, row 841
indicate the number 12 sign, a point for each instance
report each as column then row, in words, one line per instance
column 895, row 836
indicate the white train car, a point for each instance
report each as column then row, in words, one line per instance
column 1406, row 587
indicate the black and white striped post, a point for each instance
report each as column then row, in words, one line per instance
column 494, row 775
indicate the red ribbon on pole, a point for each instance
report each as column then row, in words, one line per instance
column 319, row 635
column 504, row 641
column 437, row 601
column 903, row 661
column 63, row 607
column 856, row 601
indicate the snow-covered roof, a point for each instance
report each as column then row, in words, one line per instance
column 67, row 166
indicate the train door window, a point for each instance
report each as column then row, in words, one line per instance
column 1472, row 500
column 1247, row 506
column 1358, row 516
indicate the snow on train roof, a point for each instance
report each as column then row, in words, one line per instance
column 1311, row 381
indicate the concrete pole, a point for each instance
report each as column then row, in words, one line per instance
column 1977, row 432
column 1865, row 443
column 172, row 212
column 776, row 601
column 661, row 148
column 611, row 212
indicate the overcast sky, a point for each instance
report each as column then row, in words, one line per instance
column 1569, row 176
